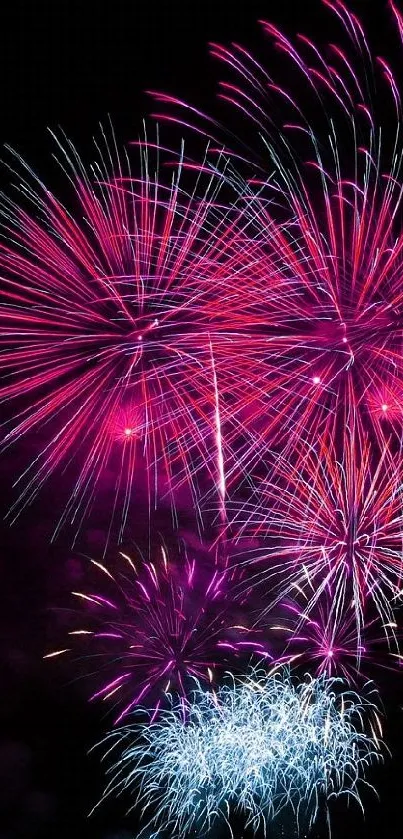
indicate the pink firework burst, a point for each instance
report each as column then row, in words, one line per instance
column 330, row 520
column 130, row 301
column 158, row 626
column 328, row 298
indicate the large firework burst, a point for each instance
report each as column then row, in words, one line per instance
column 122, row 326
column 326, row 191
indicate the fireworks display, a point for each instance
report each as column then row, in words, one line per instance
column 326, row 304
column 225, row 335
column 260, row 746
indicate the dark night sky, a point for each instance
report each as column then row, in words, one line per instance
column 62, row 66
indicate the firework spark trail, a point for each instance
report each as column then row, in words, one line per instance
column 256, row 748
column 124, row 309
column 158, row 625
column 218, row 434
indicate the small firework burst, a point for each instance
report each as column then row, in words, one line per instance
column 157, row 626
column 330, row 520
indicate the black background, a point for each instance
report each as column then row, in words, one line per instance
column 71, row 64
